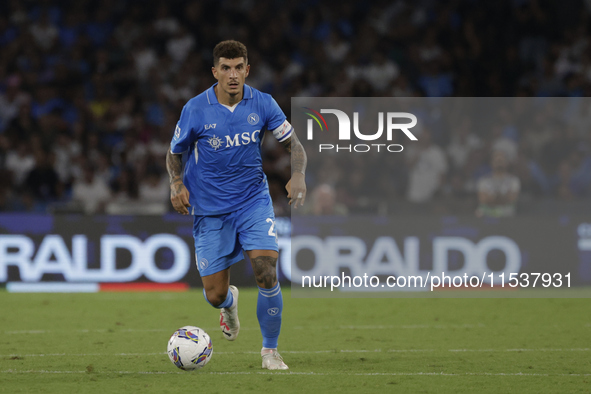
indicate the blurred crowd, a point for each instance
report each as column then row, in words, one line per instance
column 90, row 91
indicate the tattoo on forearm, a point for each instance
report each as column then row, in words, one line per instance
column 299, row 159
column 174, row 166
column 265, row 271
column 176, row 188
column 287, row 144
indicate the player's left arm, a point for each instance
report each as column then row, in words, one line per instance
column 296, row 187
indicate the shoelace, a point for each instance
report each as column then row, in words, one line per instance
column 274, row 355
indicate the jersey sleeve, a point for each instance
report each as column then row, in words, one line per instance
column 182, row 139
column 277, row 122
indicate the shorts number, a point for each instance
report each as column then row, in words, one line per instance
column 272, row 228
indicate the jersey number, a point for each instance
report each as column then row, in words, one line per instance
column 271, row 233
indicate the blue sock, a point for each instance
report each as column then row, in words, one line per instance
column 269, row 308
column 228, row 302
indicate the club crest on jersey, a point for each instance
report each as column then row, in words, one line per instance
column 253, row 119
column 215, row 142
column 203, row 264
column 209, row 126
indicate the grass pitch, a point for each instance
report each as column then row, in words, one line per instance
column 116, row 343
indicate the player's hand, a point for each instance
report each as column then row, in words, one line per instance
column 296, row 189
column 179, row 197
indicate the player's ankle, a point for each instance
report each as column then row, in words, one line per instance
column 234, row 301
column 266, row 350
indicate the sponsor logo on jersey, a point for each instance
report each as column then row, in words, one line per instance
column 242, row 138
column 215, row 142
column 210, row 126
column 253, row 119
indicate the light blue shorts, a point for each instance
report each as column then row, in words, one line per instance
column 220, row 239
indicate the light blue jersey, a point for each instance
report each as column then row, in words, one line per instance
column 224, row 169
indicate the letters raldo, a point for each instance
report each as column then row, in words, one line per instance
column 344, row 133
column 54, row 257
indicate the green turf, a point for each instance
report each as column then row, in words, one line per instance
column 115, row 343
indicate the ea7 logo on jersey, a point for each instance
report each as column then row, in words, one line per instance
column 209, row 126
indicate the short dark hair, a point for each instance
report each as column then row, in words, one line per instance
column 229, row 49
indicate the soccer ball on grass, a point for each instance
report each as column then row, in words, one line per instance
column 190, row 348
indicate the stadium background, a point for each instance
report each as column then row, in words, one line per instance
column 92, row 89
column 90, row 93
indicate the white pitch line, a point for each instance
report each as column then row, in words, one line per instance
column 112, row 330
column 362, row 327
column 522, row 350
column 81, row 354
column 164, row 353
column 303, row 352
column 407, row 326
column 42, row 371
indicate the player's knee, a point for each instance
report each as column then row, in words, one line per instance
column 215, row 297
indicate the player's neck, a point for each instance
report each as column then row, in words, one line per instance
column 228, row 99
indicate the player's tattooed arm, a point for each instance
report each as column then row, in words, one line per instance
column 174, row 166
column 296, row 187
column 179, row 195
column 299, row 160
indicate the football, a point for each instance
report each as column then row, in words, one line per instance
column 190, row 348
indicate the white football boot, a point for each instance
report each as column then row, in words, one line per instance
column 272, row 360
column 229, row 322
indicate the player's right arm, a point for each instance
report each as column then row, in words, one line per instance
column 179, row 195
column 181, row 142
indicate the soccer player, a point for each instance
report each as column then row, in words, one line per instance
column 225, row 189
